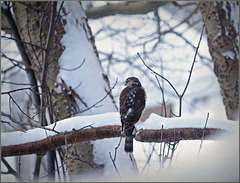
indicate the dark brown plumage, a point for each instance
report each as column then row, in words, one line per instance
column 132, row 103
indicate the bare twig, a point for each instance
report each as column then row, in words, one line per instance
column 115, row 156
column 196, row 52
column 11, row 171
column 11, row 98
column 149, row 157
column 159, row 75
column 114, row 164
column 14, row 83
column 163, row 98
column 19, row 165
column 180, row 96
column 9, row 123
column 29, row 124
column 160, row 153
column 132, row 159
column 84, row 161
column 18, row 63
column 23, row 42
column 16, row 90
column 205, row 126
column 74, row 68
column 58, row 167
column 31, row 76
column 94, row 105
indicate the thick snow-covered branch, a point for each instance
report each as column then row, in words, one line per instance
column 40, row 141
column 128, row 8
column 41, row 147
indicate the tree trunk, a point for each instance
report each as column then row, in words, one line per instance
column 223, row 40
column 58, row 99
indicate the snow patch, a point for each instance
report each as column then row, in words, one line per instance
column 155, row 122
column 65, row 125
column 228, row 54
column 87, row 81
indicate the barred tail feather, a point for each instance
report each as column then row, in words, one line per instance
column 128, row 144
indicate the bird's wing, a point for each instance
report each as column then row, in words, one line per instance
column 132, row 102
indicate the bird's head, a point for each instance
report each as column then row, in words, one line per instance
column 132, row 81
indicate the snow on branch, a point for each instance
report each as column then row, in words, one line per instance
column 77, row 129
column 128, row 8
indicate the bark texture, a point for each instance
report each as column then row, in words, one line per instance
column 223, row 44
column 41, row 147
column 34, row 21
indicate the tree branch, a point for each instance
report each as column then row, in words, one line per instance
column 11, row 171
column 41, row 147
column 46, row 60
column 126, row 8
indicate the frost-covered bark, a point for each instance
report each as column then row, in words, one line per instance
column 223, row 40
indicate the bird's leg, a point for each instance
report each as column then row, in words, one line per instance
column 123, row 127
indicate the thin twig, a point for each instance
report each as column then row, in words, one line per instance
column 74, row 68
column 62, row 165
column 133, row 160
column 16, row 90
column 9, row 123
column 162, row 91
column 160, row 153
column 94, row 105
column 196, row 52
column 14, row 83
column 190, row 72
column 159, row 75
column 114, row 164
column 11, row 171
column 115, row 154
column 148, row 160
column 200, row 147
column 30, row 124
column 23, row 42
column 8, row 15
column 84, row 161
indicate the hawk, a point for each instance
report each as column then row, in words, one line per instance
column 132, row 102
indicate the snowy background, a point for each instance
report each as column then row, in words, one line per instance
column 172, row 58
column 123, row 37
